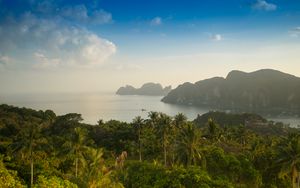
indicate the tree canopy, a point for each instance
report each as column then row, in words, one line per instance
column 41, row 149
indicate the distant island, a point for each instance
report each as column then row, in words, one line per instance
column 151, row 89
column 267, row 92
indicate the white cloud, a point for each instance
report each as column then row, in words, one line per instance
column 216, row 37
column 45, row 62
column 78, row 13
column 297, row 29
column 295, row 32
column 44, row 6
column 5, row 60
column 101, row 17
column 81, row 14
column 264, row 5
column 53, row 43
column 96, row 49
column 156, row 21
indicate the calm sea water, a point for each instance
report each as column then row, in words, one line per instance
column 106, row 106
column 95, row 106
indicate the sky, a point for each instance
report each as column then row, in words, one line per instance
column 100, row 45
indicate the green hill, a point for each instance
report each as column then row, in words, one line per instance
column 267, row 92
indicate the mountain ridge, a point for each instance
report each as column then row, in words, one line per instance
column 264, row 91
column 151, row 89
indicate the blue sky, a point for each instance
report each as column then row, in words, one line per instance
column 135, row 41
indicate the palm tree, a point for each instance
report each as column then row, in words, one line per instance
column 188, row 145
column 163, row 129
column 289, row 158
column 243, row 135
column 92, row 165
column 138, row 123
column 77, row 145
column 212, row 130
column 179, row 120
column 96, row 174
column 153, row 117
column 26, row 142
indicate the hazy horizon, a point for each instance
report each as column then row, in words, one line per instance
column 92, row 46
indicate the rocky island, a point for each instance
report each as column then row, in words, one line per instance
column 267, row 92
column 151, row 89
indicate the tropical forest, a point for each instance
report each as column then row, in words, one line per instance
column 42, row 149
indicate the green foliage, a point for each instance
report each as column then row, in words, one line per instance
column 45, row 182
column 114, row 136
column 237, row 169
column 95, row 173
column 289, row 158
column 146, row 175
column 252, row 122
column 9, row 178
column 187, row 145
column 64, row 152
column 227, row 119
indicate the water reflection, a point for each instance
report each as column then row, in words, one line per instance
column 106, row 106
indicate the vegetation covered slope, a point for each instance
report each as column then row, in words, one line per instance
column 41, row 149
column 151, row 89
column 267, row 92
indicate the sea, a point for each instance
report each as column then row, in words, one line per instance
column 107, row 105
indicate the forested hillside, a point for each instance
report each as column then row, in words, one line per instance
column 267, row 92
column 41, row 149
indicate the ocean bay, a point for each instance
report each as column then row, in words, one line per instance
column 108, row 105
column 100, row 105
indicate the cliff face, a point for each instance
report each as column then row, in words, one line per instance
column 151, row 89
column 264, row 91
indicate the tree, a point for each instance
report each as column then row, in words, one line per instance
column 9, row 178
column 115, row 136
column 179, row 120
column 243, row 135
column 153, row 117
column 92, row 165
column 163, row 128
column 65, row 124
column 289, row 158
column 26, row 142
column 76, row 145
column 53, row 181
column 138, row 124
column 213, row 130
column 95, row 173
column 188, row 145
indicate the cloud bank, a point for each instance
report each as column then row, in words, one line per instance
column 295, row 32
column 216, row 37
column 81, row 14
column 51, row 43
column 36, row 38
column 264, row 5
column 156, row 21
